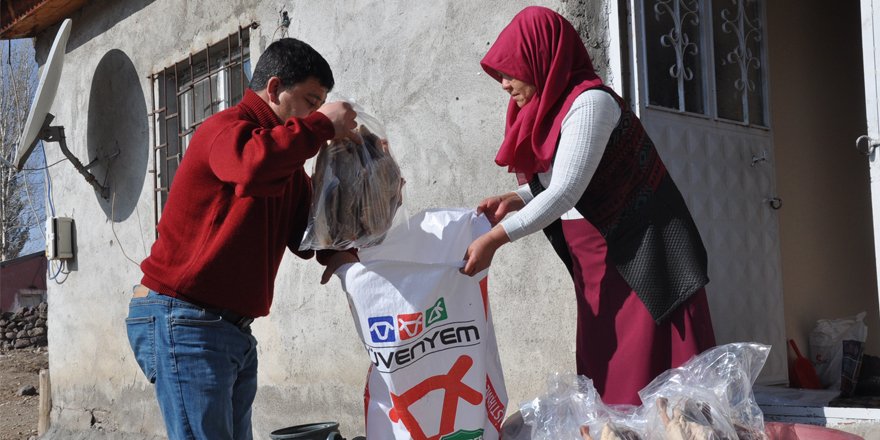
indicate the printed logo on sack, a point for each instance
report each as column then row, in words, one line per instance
column 454, row 390
column 382, row 328
column 436, row 313
column 409, row 325
column 476, row 434
column 438, row 338
column 494, row 406
column 424, row 333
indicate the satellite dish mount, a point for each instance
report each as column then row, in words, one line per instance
column 55, row 133
column 38, row 126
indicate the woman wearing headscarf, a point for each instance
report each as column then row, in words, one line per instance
column 594, row 183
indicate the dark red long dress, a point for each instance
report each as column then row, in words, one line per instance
column 619, row 345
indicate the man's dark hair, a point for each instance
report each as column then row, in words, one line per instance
column 293, row 62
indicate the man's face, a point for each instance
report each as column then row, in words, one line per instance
column 299, row 100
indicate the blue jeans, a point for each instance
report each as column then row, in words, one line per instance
column 204, row 368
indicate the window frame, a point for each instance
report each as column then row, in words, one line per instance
column 167, row 120
column 707, row 55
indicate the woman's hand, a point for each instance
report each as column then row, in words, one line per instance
column 495, row 208
column 478, row 256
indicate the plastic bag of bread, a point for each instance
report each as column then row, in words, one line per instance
column 356, row 192
column 709, row 397
column 569, row 402
column 571, row 409
column 614, row 422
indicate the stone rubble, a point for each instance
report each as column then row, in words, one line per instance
column 27, row 390
column 24, row 329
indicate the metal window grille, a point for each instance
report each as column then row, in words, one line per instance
column 706, row 57
column 187, row 93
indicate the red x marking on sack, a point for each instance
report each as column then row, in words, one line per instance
column 454, row 388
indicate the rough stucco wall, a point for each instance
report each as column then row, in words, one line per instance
column 414, row 67
column 590, row 18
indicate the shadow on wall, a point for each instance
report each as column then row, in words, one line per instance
column 118, row 133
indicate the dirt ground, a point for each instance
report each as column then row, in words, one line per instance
column 18, row 414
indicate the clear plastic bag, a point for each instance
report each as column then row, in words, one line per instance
column 570, row 402
column 572, row 410
column 615, row 422
column 710, row 396
column 357, row 190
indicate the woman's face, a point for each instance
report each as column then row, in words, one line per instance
column 520, row 91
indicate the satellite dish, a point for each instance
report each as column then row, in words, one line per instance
column 38, row 128
column 44, row 96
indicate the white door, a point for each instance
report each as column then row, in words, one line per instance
column 701, row 94
column 869, row 142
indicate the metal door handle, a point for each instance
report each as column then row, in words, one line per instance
column 758, row 159
column 774, row 202
column 866, row 145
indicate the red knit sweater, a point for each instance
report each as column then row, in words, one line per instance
column 239, row 198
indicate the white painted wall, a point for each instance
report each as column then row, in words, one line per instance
column 414, row 65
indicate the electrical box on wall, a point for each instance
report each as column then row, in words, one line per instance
column 59, row 238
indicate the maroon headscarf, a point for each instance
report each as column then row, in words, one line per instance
column 541, row 48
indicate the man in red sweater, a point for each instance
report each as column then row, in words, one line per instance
column 240, row 197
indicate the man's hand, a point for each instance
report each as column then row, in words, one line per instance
column 495, row 208
column 335, row 261
column 342, row 115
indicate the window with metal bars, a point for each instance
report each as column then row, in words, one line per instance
column 706, row 57
column 187, row 93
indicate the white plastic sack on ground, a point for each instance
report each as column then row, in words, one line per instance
column 826, row 345
column 427, row 329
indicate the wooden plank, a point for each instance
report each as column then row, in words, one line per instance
column 38, row 17
column 45, row 403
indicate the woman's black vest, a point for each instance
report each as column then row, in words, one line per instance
column 651, row 236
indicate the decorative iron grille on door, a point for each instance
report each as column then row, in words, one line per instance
column 706, row 57
column 185, row 94
column 702, row 96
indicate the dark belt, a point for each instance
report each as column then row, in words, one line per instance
column 242, row 322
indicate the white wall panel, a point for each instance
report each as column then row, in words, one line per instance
column 711, row 162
